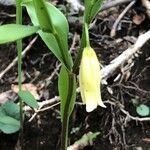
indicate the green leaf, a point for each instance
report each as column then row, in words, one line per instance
column 63, row 86
column 28, row 98
column 13, row 32
column 57, row 17
column 8, row 129
column 9, row 125
column 11, row 109
column 9, row 118
column 95, row 9
column 143, row 110
column 92, row 7
column 59, row 20
column 56, row 42
column 2, row 111
column 42, row 14
column 51, row 43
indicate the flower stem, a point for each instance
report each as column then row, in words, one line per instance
column 19, row 51
column 64, row 136
column 84, row 42
column 87, row 39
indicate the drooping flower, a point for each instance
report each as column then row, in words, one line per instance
column 89, row 80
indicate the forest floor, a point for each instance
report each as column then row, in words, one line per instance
column 120, row 125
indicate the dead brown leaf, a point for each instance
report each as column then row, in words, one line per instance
column 27, row 87
column 138, row 19
column 7, row 96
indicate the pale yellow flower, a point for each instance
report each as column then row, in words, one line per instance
column 89, row 80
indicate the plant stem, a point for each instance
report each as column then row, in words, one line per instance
column 19, row 51
column 66, row 63
column 64, row 136
column 87, row 39
column 84, row 43
column 79, row 54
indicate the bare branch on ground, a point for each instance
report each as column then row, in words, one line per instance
column 110, row 69
column 114, row 28
column 16, row 59
column 128, row 115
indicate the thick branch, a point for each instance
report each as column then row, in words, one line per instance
column 110, row 69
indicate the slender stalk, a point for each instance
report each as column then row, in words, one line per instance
column 84, row 43
column 87, row 39
column 64, row 136
column 79, row 54
column 19, row 51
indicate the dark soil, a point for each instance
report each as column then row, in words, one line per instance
column 117, row 132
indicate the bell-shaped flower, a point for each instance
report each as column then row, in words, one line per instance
column 90, row 80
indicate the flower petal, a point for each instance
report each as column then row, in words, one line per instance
column 89, row 80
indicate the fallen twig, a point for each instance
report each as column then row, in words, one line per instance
column 114, row 28
column 114, row 3
column 51, row 101
column 134, row 118
column 109, row 70
column 15, row 60
column 126, row 112
column 7, row 15
column 44, row 109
